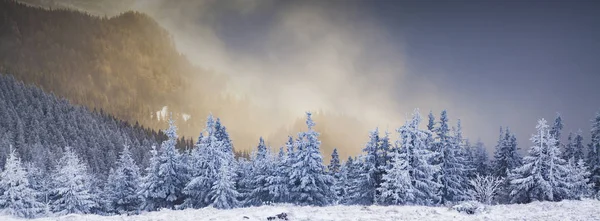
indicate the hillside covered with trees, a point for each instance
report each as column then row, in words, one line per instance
column 128, row 66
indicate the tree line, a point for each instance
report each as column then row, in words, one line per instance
column 429, row 166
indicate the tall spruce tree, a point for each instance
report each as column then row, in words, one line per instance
column 262, row 168
column 163, row 188
column 279, row 180
column 577, row 180
column 70, row 192
column 206, row 159
column 480, row 160
column 397, row 185
column 365, row 187
column 122, row 189
column 349, row 172
column 543, row 173
column 17, row 196
column 593, row 157
column 413, row 148
column 223, row 193
column 312, row 184
column 452, row 170
column 506, row 156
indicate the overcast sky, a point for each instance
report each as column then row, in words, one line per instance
column 511, row 61
column 491, row 63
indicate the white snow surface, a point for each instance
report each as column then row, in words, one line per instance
column 566, row 210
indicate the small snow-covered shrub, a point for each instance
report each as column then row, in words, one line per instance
column 484, row 188
column 469, row 207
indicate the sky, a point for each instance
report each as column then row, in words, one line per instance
column 489, row 63
column 510, row 61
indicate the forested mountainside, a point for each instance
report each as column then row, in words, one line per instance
column 126, row 65
column 39, row 126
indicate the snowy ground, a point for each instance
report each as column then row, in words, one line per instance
column 566, row 210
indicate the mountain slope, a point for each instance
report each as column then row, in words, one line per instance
column 39, row 126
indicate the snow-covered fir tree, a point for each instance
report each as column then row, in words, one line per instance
column 569, row 151
column 17, row 197
column 334, row 169
column 278, row 179
column 122, row 188
column 311, row 185
column 206, row 159
column 223, row 193
column 262, row 168
column 365, row 187
column 452, row 172
column 40, row 182
column 506, row 159
column 385, row 154
column 397, row 185
column 243, row 173
column 578, row 153
column 506, row 156
column 70, row 187
column 574, row 147
column 222, row 135
column 168, row 175
column 556, row 130
column 149, row 185
column 593, row 157
column 469, row 154
column 413, row 148
column 431, row 121
column 577, row 179
column 480, row 159
column 348, row 172
column 543, row 173
column 334, row 164
column 466, row 154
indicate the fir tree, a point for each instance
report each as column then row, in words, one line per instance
column 279, row 180
column 577, row 179
column 17, row 197
column 222, row 135
column 578, row 147
column 543, row 173
column 480, row 160
column 556, row 129
column 593, row 157
column 206, row 159
column 569, row 148
column 334, row 164
column 334, row 169
column 506, row 156
column 412, row 145
column 385, row 154
column 122, row 189
column 452, row 170
column 164, row 186
column 223, row 193
column 70, row 193
column 149, row 189
column 397, row 185
column 262, row 167
column 365, row 187
column 348, row 174
column 312, row 185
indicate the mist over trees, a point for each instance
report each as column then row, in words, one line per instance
column 128, row 66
